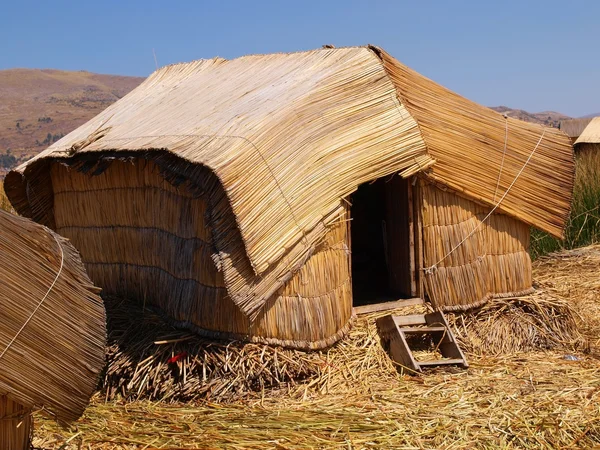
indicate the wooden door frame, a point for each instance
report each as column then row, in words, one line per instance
column 415, row 239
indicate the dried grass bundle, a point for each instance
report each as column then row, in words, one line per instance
column 149, row 359
column 573, row 277
column 52, row 328
column 518, row 324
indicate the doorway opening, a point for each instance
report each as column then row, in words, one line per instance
column 382, row 250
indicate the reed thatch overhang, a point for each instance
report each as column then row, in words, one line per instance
column 591, row 133
column 290, row 135
column 52, row 322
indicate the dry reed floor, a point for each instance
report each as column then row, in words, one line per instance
column 540, row 399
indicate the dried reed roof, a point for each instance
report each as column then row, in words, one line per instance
column 591, row 133
column 574, row 127
column 467, row 141
column 290, row 135
column 52, row 323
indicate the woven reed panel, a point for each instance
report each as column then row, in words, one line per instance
column 493, row 260
column 143, row 238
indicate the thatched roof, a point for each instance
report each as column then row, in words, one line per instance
column 574, row 127
column 290, row 135
column 52, row 328
column 591, row 133
column 467, row 141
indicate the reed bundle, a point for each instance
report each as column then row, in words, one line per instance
column 492, row 261
column 506, row 326
column 149, row 359
column 280, row 140
column 51, row 339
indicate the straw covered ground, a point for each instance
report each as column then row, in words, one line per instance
column 546, row 395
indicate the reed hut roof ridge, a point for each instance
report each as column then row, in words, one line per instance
column 591, row 133
column 290, row 135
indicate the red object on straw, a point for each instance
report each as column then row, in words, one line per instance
column 177, row 357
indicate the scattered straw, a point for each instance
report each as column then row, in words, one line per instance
column 534, row 400
column 358, row 399
column 149, row 359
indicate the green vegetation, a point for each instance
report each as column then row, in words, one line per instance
column 583, row 227
column 7, row 160
column 50, row 139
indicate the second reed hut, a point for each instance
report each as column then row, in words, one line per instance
column 260, row 198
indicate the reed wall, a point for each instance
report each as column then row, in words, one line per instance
column 493, row 261
column 142, row 237
column 15, row 425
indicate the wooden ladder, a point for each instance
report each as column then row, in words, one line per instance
column 395, row 329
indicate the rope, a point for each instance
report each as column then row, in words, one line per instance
column 62, row 260
column 503, row 154
column 430, row 269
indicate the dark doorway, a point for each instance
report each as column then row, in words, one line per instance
column 380, row 240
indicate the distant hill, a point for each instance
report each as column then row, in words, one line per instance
column 591, row 115
column 548, row 118
column 37, row 107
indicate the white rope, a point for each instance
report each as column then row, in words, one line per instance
column 503, row 154
column 62, row 260
column 430, row 269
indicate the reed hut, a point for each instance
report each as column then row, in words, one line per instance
column 589, row 140
column 574, row 127
column 52, row 329
column 260, row 198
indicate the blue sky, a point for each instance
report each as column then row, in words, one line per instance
column 534, row 55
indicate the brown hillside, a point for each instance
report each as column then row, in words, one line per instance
column 37, row 107
column 548, row 118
